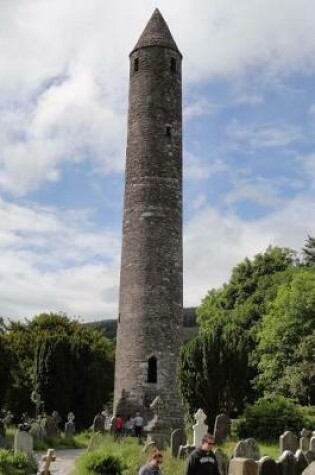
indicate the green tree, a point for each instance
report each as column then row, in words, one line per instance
column 285, row 350
column 5, row 369
column 238, row 307
column 211, row 367
column 308, row 252
column 25, row 339
column 54, row 374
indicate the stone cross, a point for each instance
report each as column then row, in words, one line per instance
column 157, row 405
column 48, row 458
column 200, row 428
column 23, row 441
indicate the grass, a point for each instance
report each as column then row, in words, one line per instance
column 133, row 457
column 79, row 441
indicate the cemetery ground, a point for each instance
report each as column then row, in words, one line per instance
column 73, row 458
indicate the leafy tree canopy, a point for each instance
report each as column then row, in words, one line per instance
column 23, row 339
column 286, row 339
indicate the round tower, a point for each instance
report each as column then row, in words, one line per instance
column 150, row 322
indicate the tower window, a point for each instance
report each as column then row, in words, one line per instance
column 136, row 65
column 168, row 131
column 173, row 65
column 152, row 369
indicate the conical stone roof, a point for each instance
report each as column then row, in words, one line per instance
column 156, row 33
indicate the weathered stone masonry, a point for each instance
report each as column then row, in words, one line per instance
column 150, row 307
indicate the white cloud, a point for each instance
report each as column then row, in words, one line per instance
column 214, row 242
column 199, row 108
column 53, row 261
column 270, row 135
column 63, row 98
column 197, row 168
column 63, row 71
column 260, row 192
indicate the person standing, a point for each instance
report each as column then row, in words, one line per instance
column 138, row 425
column 202, row 460
column 118, row 427
column 153, row 466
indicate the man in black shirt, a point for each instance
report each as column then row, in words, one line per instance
column 202, row 460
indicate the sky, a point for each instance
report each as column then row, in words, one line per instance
column 249, row 142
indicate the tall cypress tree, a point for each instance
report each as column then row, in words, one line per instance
column 308, row 252
column 54, row 375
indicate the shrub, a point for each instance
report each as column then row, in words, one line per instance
column 16, row 464
column 95, row 463
column 269, row 417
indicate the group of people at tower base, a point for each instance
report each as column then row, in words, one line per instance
column 132, row 426
column 201, row 461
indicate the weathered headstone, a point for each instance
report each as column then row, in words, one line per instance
column 287, row 463
column 267, row 466
column 95, row 442
column 222, row 461
column 243, row 466
column 149, row 445
column 185, row 450
column 2, row 434
column 312, row 444
column 221, row 428
column 247, row 449
column 301, row 462
column 50, row 427
column 99, row 423
column 288, row 441
column 36, row 430
column 200, row 428
column 177, row 439
column 305, row 439
column 310, row 470
column 57, row 419
column 70, row 426
column 310, row 456
column 23, row 442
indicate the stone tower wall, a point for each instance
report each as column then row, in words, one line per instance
column 150, row 306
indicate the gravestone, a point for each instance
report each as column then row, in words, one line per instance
column 50, row 427
column 310, row 470
column 288, row 441
column 200, row 428
column 221, row 428
column 158, row 427
column 243, row 466
column 99, row 423
column 312, row 444
column 177, row 439
column 57, row 420
column 305, row 440
column 222, row 461
column 23, row 442
column 301, row 462
column 310, row 456
column 185, row 450
column 70, row 426
column 149, row 445
column 95, row 442
column 287, row 463
column 2, row 434
column 247, row 449
column 267, row 466
column 36, row 430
